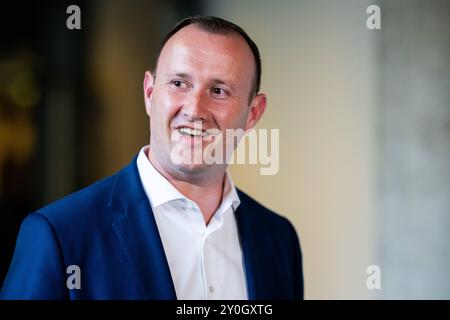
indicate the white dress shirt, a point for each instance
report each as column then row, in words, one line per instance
column 205, row 261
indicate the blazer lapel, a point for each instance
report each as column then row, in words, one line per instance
column 136, row 228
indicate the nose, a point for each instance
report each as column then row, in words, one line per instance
column 195, row 107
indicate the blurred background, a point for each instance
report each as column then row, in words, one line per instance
column 364, row 119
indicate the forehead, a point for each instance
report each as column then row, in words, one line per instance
column 207, row 52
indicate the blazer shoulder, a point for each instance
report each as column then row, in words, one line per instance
column 80, row 205
column 266, row 215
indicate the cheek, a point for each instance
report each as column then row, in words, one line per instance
column 233, row 119
column 164, row 107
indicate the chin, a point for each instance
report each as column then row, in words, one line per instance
column 193, row 169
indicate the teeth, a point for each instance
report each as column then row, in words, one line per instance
column 192, row 132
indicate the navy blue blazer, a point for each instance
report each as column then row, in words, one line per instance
column 109, row 231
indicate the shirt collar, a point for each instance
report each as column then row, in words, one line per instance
column 160, row 191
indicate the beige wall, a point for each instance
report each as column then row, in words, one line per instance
column 318, row 73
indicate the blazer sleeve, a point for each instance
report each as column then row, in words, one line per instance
column 298, row 267
column 37, row 268
column 296, row 262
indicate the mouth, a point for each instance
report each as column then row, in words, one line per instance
column 190, row 132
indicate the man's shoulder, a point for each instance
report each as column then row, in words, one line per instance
column 263, row 214
column 80, row 205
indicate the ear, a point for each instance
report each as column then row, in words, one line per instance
column 257, row 108
column 148, row 91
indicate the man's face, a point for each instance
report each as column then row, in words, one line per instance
column 201, row 78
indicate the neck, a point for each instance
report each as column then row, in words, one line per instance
column 205, row 191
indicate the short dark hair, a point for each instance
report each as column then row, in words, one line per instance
column 218, row 26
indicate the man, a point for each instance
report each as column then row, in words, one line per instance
column 163, row 228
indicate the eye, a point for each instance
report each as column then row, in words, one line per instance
column 219, row 92
column 178, row 84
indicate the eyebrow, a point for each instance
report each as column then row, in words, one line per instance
column 181, row 75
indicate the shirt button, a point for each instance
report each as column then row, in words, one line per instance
column 211, row 289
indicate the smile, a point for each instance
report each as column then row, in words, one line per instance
column 192, row 132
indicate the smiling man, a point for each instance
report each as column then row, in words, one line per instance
column 162, row 228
